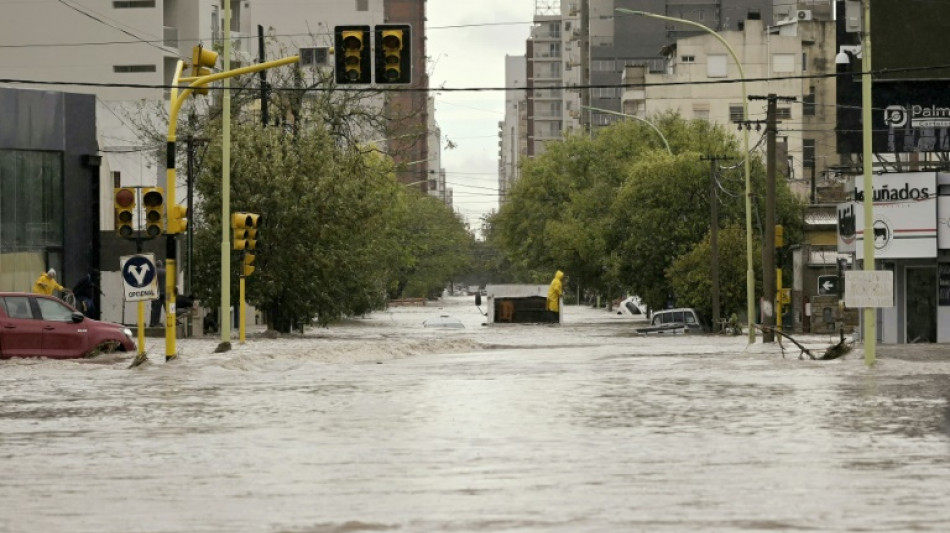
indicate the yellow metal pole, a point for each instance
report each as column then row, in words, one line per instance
column 141, row 333
column 870, row 313
column 778, row 299
column 750, row 274
column 226, row 190
column 172, row 226
column 241, row 311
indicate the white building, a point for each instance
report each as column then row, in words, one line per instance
column 511, row 131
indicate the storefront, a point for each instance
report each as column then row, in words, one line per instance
column 911, row 239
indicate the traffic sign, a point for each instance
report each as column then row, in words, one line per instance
column 139, row 277
column 827, row 285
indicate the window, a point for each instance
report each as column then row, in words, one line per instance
column 687, row 59
column 783, row 62
column 716, row 66
column 808, row 153
column 736, row 112
column 314, row 56
column 783, row 113
column 133, row 4
column 31, row 214
column 126, row 69
column 362, row 5
column 17, row 307
column 53, row 310
column 808, row 109
column 701, row 111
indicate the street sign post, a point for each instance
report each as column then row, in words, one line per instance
column 139, row 278
column 139, row 283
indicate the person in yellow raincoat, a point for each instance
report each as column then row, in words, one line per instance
column 46, row 283
column 554, row 297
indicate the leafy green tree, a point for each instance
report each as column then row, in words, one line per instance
column 326, row 243
column 435, row 244
column 618, row 210
column 690, row 273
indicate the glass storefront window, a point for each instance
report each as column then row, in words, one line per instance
column 31, row 216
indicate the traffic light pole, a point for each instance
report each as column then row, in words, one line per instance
column 175, row 222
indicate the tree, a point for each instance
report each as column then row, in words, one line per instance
column 690, row 273
column 618, row 210
column 435, row 244
column 326, row 246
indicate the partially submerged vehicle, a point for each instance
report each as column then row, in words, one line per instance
column 680, row 321
column 518, row 304
column 37, row 325
column 444, row 321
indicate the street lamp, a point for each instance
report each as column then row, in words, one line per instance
column 645, row 121
column 750, row 275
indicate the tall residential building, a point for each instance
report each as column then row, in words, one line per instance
column 578, row 50
column 512, row 141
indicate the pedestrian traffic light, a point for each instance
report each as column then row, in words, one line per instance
column 153, row 199
column 202, row 61
column 247, row 264
column 393, row 60
column 351, row 48
column 124, row 198
column 244, row 226
column 177, row 219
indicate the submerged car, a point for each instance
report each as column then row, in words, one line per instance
column 36, row 325
column 679, row 321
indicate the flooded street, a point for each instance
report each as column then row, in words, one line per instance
column 380, row 424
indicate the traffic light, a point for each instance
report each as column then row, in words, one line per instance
column 153, row 199
column 244, row 226
column 247, row 264
column 779, row 236
column 124, row 198
column 351, row 48
column 177, row 219
column 202, row 61
column 393, row 60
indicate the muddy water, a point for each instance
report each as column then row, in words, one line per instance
column 382, row 425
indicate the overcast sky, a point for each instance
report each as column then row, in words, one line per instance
column 473, row 56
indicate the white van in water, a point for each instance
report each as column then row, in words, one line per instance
column 679, row 321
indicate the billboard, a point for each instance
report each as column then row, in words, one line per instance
column 910, row 61
column 904, row 217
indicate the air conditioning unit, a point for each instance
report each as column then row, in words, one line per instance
column 803, row 14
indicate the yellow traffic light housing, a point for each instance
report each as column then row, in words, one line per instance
column 153, row 199
column 244, row 229
column 177, row 219
column 779, row 236
column 247, row 264
column 202, row 61
column 393, row 60
column 351, row 49
column 124, row 199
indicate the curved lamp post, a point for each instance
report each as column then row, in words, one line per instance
column 750, row 275
column 645, row 121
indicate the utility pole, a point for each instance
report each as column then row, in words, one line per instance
column 771, row 301
column 263, row 75
column 714, row 235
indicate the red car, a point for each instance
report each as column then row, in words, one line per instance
column 36, row 325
